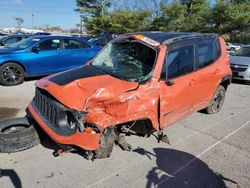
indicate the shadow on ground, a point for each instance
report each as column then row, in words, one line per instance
column 180, row 169
column 13, row 177
column 45, row 140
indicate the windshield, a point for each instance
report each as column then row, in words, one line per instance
column 244, row 51
column 127, row 59
column 24, row 43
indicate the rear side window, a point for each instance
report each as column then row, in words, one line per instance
column 74, row 44
column 208, row 51
column 180, row 61
column 217, row 48
column 206, row 54
column 11, row 40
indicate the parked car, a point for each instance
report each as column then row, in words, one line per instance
column 12, row 39
column 3, row 34
column 140, row 83
column 232, row 47
column 42, row 33
column 43, row 55
column 103, row 38
column 240, row 64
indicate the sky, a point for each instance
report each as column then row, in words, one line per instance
column 46, row 12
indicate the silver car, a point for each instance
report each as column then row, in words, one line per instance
column 240, row 64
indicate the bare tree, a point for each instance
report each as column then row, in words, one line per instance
column 19, row 21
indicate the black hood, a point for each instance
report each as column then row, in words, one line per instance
column 76, row 74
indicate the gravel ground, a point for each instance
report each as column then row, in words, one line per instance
column 205, row 151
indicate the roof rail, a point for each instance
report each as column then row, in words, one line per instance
column 195, row 35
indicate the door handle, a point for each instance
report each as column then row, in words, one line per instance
column 192, row 82
column 217, row 71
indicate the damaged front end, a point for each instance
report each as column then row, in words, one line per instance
column 64, row 125
column 98, row 104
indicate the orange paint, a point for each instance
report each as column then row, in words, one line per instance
column 110, row 101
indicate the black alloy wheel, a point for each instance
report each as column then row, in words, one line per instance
column 11, row 74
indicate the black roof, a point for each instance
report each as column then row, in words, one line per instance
column 163, row 37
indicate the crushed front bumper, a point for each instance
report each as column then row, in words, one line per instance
column 85, row 141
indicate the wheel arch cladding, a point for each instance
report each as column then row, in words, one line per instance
column 226, row 81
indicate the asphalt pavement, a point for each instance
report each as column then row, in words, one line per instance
column 204, row 151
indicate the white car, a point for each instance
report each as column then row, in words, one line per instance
column 240, row 64
column 232, row 47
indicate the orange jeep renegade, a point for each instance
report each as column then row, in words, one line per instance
column 140, row 83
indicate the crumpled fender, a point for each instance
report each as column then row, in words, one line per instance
column 138, row 104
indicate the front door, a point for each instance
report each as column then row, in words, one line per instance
column 47, row 59
column 176, row 86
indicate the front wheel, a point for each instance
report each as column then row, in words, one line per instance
column 107, row 143
column 11, row 74
column 217, row 101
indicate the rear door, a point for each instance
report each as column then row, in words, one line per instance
column 176, row 89
column 75, row 53
column 207, row 71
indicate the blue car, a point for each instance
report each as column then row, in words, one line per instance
column 43, row 55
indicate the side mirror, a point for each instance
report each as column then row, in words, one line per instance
column 169, row 82
column 35, row 49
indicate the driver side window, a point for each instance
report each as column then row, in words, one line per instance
column 179, row 61
column 51, row 44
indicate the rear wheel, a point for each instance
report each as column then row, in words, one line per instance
column 217, row 101
column 11, row 74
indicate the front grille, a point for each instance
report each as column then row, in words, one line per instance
column 58, row 117
column 238, row 68
column 47, row 108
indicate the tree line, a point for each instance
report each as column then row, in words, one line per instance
column 230, row 18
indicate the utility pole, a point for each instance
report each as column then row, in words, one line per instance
column 32, row 22
column 81, row 26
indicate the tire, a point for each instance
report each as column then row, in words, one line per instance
column 17, row 135
column 11, row 74
column 107, row 143
column 217, row 101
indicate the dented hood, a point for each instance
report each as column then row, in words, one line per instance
column 82, row 87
